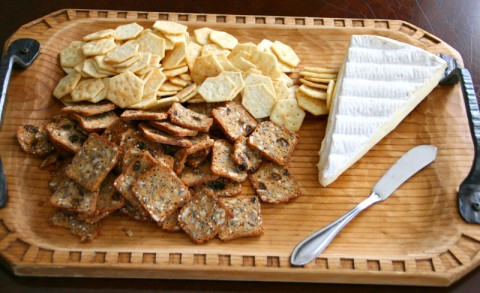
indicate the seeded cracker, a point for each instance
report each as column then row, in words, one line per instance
column 179, row 160
column 156, row 135
column 95, row 122
column 132, row 138
column 274, row 184
column 131, row 212
column 187, row 118
column 197, row 176
column 203, row 216
column 64, row 134
column 224, row 187
column 199, row 142
column 196, row 159
column 143, row 115
column 234, row 120
column 222, row 163
column 88, row 109
column 72, row 197
column 93, row 162
column 246, row 157
column 172, row 128
column 274, row 142
column 87, row 232
column 115, row 131
column 129, row 176
column 171, row 222
column 34, row 140
column 246, row 218
column 160, row 192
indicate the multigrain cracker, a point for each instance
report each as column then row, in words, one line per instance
column 64, row 135
column 275, row 142
column 173, row 129
column 66, row 85
column 223, row 164
column 86, row 231
column 170, row 223
column 95, row 159
column 247, row 158
column 196, row 176
column 246, row 218
column 131, row 212
column 287, row 113
column 199, row 142
column 34, row 140
column 234, row 120
column 156, row 135
column 143, row 115
column 223, row 187
column 160, row 192
column 96, row 122
column 197, row 158
column 189, row 119
column 179, row 160
column 274, row 184
column 203, row 216
column 88, row 109
column 72, row 197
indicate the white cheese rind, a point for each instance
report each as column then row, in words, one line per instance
column 380, row 83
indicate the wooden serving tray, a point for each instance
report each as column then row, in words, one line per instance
column 416, row 237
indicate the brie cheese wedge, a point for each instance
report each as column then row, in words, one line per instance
column 380, row 82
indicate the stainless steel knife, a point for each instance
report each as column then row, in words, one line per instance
column 408, row 165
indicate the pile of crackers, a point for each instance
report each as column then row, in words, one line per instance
column 181, row 168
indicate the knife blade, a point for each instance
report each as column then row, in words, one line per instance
column 408, row 165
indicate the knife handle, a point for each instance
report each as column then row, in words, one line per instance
column 469, row 191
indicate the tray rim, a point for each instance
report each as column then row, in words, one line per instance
column 265, row 268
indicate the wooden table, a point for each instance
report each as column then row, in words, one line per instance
column 452, row 21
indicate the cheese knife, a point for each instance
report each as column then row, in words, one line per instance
column 20, row 54
column 408, row 165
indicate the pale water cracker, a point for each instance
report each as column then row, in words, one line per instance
column 103, row 93
column 312, row 92
column 223, row 39
column 237, row 78
column 225, row 63
column 182, row 38
column 87, row 89
column 331, row 86
column 175, row 57
column 288, row 114
column 178, row 81
column 98, row 47
column 127, row 63
column 185, row 76
column 146, row 102
column 242, row 49
column 242, row 64
column 151, row 43
column 257, row 78
column 267, row 63
column 139, row 64
column 206, row 66
column 125, row 89
column 281, row 89
column 253, row 71
column 258, row 100
column 264, row 45
column 122, row 53
column 189, row 96
column 313, row 84
column 285, row 53
column 153, row 64
column 287, row 79
column 161, row 93
column 66, row 85
column 170, row 27
column 217, row 89
column 168, row 86
column 72, row 54
column 102, row 65
column 68, row 70
column 285, row 68
column 193, row 51
column 164, row 102
column 314, row 106
column 89, row 68
column 202, row 35
column 192, row 88
column 320, row 70
column 318, row 75
column 128, row 31
column 175, row 71
column 292, row 92
column 168, row 44
column 154, row 81
column 213, row 49
column 99, row 35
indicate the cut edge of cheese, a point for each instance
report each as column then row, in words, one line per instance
column 330, row 165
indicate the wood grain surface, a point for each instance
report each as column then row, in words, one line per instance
column 442, row 213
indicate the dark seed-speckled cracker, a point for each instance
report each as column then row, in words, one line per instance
column 203, row 216
column 223, row 164
column 224, row 187
column 156, row 135
column 86, row 231
column 97, row 122
column 93, row 162
column 64, row 135
column 275, row 142
column 72, row 197
column 196, row 159
column 143, row 115
column 171, row 222
column 173, row 129
column 200, row 142
column 274, row 184
column 204, row 108
column 184, row 117
column 131, row 212
column 245, row 156
column 34, row 140
column 115, row 131
column 179, row 160
column 133, row 138
column 195, row 176
column 234, row 120
column 246, row 218
column 88, row 109
column 160, row 192
column 136, row 168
